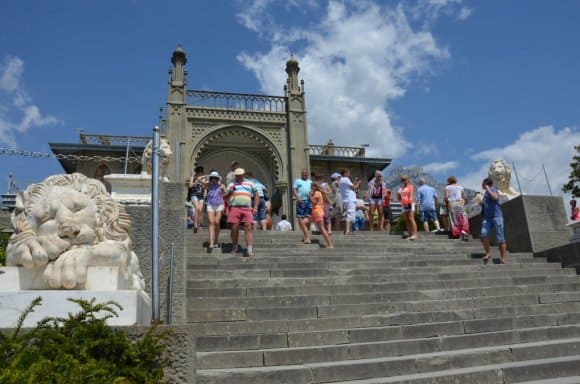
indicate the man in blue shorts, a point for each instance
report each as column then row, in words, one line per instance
column 427, row 201
column 301, row 191
column 492, row 218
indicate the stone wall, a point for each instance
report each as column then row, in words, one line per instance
column 531, row 223
column 180, row 350
column 171, row 230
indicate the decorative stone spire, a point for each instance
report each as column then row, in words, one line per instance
column 178, row 58
column 292, row 70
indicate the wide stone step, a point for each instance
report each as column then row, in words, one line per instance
column 553, row 314
column 520, row 276
column 544, row 292
column 284, row 263
column 460, row 288
column 406, row 341
column 562, row 354
column 508, row 373
column 560, row 380
column 486, row 307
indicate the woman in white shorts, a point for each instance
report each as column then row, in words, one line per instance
column 214, row 197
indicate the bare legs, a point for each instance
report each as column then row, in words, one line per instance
column 198, row 205
column 304, row 223
column 236, row 236
column 325, row 235
column 502, row 250
column 378, row 208
column 214, row 228
column 411, row 225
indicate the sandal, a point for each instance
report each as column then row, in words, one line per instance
column 486, row 258
column 235, row 249
column 503, row 261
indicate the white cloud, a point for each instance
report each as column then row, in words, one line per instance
column 464, row 13
column 440, row 167
column 17, row 112
column 10, row 73
column 355, row 60
column 532, row 149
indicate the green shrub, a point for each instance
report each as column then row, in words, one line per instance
column 4, row 236
column 80, row 349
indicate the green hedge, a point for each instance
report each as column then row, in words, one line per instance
column 80, row 349
column 3, row 242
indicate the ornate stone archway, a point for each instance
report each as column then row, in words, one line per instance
column 254, row 151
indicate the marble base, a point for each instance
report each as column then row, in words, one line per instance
column 136, row 306
column 135, row 189
column 19, row 286
column 99, row 278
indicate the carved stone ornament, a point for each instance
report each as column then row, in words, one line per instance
column 66, row 224
column 501, row 174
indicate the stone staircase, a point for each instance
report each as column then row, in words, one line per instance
column 380, row 309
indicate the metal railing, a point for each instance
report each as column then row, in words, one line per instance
column 86, row 138
column 338, row 151
column 236, row 101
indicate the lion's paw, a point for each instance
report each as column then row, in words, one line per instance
column 69, row 270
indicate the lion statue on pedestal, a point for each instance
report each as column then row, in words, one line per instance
column 67, row 223
column 501, row 175
column 165, row 154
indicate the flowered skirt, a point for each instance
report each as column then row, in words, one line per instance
column 458, row 220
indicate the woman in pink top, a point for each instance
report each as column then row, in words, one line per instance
column 406, row 197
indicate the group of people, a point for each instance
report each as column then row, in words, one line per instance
column 242, row 199
column 454, row 211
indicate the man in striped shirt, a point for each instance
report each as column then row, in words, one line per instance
column 243, row 196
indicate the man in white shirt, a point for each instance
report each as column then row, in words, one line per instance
column 347, row 191
column 283, row 225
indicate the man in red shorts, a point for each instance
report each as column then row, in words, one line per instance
column 241, row 194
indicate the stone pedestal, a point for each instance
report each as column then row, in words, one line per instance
column 130, row 189
column 19, row 286
column 531, row 223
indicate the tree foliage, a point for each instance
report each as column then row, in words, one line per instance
column 573, row 184
column 80, row 349
column 4, row 236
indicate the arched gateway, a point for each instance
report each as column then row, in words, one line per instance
column 265, row 134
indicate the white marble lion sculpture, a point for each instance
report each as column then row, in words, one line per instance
column 501, row 174
column 165, row 154
column 67, row 223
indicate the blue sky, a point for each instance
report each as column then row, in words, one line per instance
column 448, row 85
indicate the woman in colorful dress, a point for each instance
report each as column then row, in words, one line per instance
column 214, row 197
column 456, row 199
column 375, row 196
column 406, row 197
column 317, row 197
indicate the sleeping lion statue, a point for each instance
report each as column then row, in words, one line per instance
column 67, row 223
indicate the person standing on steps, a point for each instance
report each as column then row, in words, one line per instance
column 260, row 216
column 301, row 190
column 492, row 218
column 196, row 193
column 215, row 191
column 375, row 196
column 347, row 191
column 244, row 201
column 456, row 199
column 406, row 197
column 426, row 204
column 387, row 211
column 317, row 197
